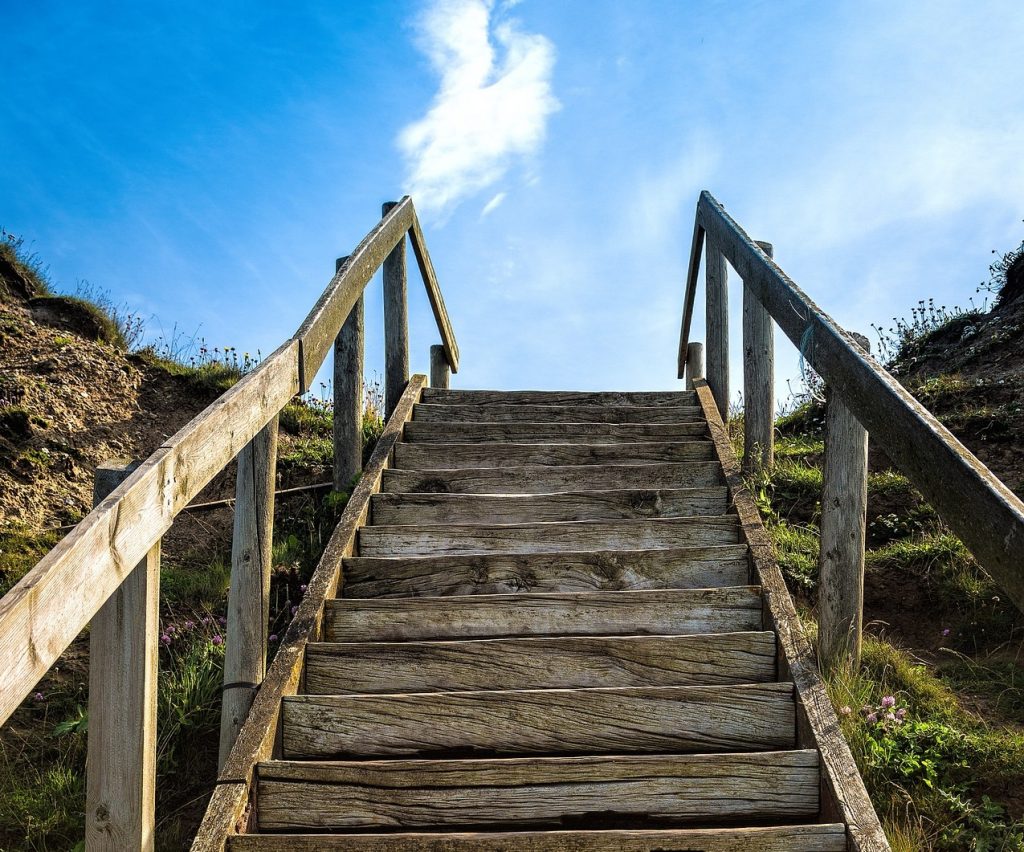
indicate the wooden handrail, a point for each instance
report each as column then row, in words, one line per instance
column 43, row 613
column 975, row 504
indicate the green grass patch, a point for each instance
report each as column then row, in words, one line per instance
column 20, row 549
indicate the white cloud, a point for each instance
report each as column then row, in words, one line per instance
column 491, row 108
column 493, row 204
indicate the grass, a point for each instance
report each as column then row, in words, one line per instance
column 20, row 549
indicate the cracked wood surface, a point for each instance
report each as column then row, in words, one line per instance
column 442, row 456
column 525, row 432
column 573, row 413
column 670, row 399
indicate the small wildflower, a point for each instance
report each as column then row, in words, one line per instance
column 946, row 631
column 38, row 696
column 272, row 637
column 217, row 639
column 901, row 714
column 888, row 701
column 303, row 588
column 845, row 710
column 190, row 625
column 295, row 609
column 222, row 621
column 872, row 718
column 165, row 639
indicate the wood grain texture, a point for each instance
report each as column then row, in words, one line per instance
column 444, row 325
column 979, row 508
column 540, row 663
column 572, row 413
column 674, row 612
column 396, row 322
column 694, row 363
column 440, row 369
column 538, row 791
column 245, row 654
column 491, row 397
column 788, row 838
column 539, row 479
column 120, row 808
column 716, row 324
column 582, row 571
column 545, row 721
column 417, row 540
column 51, row 604
column 844, row 502
column 846, row 798
column 690, row 294
column 758, row 381
column 318, row 331
column 525, row 432
column 349, row 348
column 257, row 738
column 441, row 456
column 565, row 506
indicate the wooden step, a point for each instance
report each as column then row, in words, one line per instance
column 556, row 413
column 664, row 613
column 569, row 662
column 627, row 720
column 503, row 573
column 430, row 539
column 526, row 397
column 523, row 432
column 541, row 479
column 776, row 838
column 446, row 456
column 619, row 504
column 671, row 789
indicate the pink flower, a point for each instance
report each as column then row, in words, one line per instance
column 295, row 609
column 222, row 621
column 39, row 696
column 872, row 718
column 889, row 701
column 946, row 631
column 901, row 714
column 217, row 640
column 272, row 637
column 165, row 639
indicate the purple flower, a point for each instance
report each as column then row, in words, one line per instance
column 872, row 718
column 889, row 701
column 217, row 640
column 165, row 639
column 222, row 621
column 272, row 637
column 303, row 588
column 901, row 714
column 189, row 625
column 946, row 631
column 39, row 696
column 295, row 609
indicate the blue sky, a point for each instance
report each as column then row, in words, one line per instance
column 206, row 162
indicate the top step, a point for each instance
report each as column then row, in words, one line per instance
column 656, row 399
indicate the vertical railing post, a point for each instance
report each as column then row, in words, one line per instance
column 245, row 650
column 694, row 363
column 717, row 326
column 123, row 660
column 348, row 395
column 843, row 513
column 396, row 324
column 440, row 369
column 758, row 381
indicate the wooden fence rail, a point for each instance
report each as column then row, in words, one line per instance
column 119, row 539
column 979, row 508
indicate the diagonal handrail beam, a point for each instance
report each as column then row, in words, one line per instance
column 969, row 498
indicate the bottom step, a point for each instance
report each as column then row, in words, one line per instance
column 790, row 838
column 611, row 791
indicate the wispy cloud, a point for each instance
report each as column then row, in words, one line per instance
column 491, row 107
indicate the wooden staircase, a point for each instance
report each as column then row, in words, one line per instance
column 552, row 637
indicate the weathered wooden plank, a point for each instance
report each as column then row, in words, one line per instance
column 539, row 791
column 716, row 325
column 440, row 369
column 51, row 605
column 245, row 656
column 396, row 322
column 626, row 720
column 490, row 397
column 690, row 294
column 349, row 348
column 567, row 662
column 580, row 571
column 524, row 432
column 444, row 325
column 542, row 478
column 694, row 364
column 120, row 807
column 259, row 733
column 441, row 456
column 846, row 798
column 968, row 496
column 432, row 508
column 320, row 328
column 672, row 612
column 422, row 540
column 573, row 413
column 787, row 838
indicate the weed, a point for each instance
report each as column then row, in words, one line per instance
column 25, row 262
column 20, row 549
column 907, row 336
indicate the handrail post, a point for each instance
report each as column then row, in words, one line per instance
column 348, row 395
column 440, row 369
column 245, row 651
column 843, row 514
column 717, row 326
column 396, row 323
column 694, row 363
column 123, row 661
column 758, row 381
